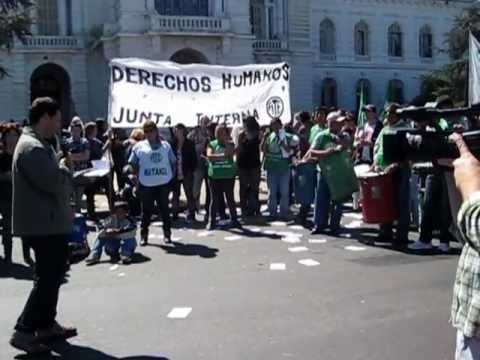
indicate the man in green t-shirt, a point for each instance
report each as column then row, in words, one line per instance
column 325, row 145
column 276, row 162
column 401, row 178
column 319, row 121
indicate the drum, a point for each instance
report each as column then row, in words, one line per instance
column 305, row 183
column 378, row 198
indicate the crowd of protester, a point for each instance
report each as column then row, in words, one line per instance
column 149, row 171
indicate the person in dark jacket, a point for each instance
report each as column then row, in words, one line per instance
column 9, row 138
column 187, row 161
column 248, row 166
column 97, row 149
column 41, row 214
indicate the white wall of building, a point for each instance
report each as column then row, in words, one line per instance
column 129, row 32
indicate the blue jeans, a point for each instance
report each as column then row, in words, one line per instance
column 326, row 208
column 113, row 247
column 278, row 184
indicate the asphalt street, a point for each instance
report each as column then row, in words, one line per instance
column 270, row 292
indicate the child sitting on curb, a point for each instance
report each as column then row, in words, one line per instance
column 117, row 235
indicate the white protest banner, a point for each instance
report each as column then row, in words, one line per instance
column 168, row 93
column 474, row 71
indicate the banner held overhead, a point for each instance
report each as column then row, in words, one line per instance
column 168, row 93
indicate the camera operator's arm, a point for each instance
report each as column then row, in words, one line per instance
column 467, row 179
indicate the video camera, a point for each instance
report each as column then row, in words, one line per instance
column 405, row 144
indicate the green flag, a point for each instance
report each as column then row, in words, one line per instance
column 361, row 113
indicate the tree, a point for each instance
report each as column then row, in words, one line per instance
column 452, row 79
column 15, row 22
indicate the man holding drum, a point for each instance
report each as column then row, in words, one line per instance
column 401, row 175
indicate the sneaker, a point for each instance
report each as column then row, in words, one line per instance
column 235, row 224
column 56, row 332
column 444, row 248
column 92, row 260
column 167, row 240
column 144, row 240
column 28, row 343
column 420, row 245
column 126, row 260
column 317, row 231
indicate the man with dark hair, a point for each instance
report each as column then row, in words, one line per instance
column 184, row 150
column 400, row 173
column 39, row 180
column 319, row 121
column 249, row 167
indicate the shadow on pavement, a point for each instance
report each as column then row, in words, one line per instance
column 188, row 250
column 253, row 234
column 369, row 237
column 67, row 351
column 138, row 258
column 15, row 271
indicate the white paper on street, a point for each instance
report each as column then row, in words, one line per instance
column 317, row 241
column 298, row 249
column 309, row 262
column 233, row 238
column 278, row 266
column 179, row 313
column 355, row 248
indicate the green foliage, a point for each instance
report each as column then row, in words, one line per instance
column 452, row 79
column 15, row 22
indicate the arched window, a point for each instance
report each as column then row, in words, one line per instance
column 47, row 17
column 395, row 91
column 425, row 42
column 395, row 38
column 329, row 92
column 361, row 38
column 182, row 7
column 327, row 37
column 363, row 86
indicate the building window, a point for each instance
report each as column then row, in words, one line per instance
column 264, row 19
column 327, row 37
column 47, row 18
column 329, row 92
column 182, row 7
column 361, row 39
column 395, row 91
column 363, row 85
column 395, row 36
column 426, row 42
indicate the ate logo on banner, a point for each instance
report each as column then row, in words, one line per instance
column 275, row 107
column 156, row 157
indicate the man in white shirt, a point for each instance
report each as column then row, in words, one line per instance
column 367, row 135
column 152, row 163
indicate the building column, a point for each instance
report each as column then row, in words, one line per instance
column 78, row 84
column 62, row 17
column 20, row 94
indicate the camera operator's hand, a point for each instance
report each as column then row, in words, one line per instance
column 466, row 169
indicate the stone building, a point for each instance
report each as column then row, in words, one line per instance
column 335, row 47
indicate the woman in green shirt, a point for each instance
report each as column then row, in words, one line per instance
column 276, row 163
column 221, row 173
